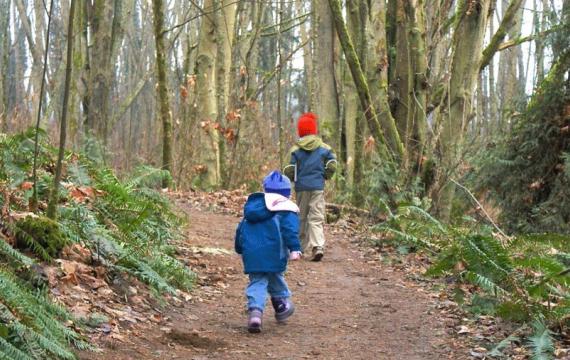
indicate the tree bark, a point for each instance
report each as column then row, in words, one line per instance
column 162, row 88
column 307, row 54
column 355, row 127
column 325, row 96
column 471, row 24
column 209, row 155
column 356, row 20
column 509, row 90
column 417, row 122
column 4, row 58
column 364, row 94
column 101, row 64
column 36, row 52
column 402, row 73
column 54, row 195
column 225, row 29
column 512, row 16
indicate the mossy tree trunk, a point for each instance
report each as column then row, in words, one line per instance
column 382, row 136
column 162, row 88
column 409, row 74
column 355, row 126
column 401, row 68
column 471, row 24
column 416, row 122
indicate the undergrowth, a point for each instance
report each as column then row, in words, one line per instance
column 523, row 279
column 126, row 224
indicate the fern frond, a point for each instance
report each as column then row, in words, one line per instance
column 484, row 251
column 485, row 283
column 425, row 215
column 541, row 342
column 10, row 352
column 12, row 254
column 148, row 176
column 405, row 237
column 496, row 351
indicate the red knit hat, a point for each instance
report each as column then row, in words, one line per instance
column 307, row 124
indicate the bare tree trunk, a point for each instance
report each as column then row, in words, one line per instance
column 541, row 26
column 206, row 99
column 162, row 89
column 4, row 58
column 36, row 52
column 103, row 21
column 54, row 195
column 493, row 99
column 33, row 203
column 325, row 96
column 225, row 29
column 281, row 135
column 307, row 53
column 509, row 90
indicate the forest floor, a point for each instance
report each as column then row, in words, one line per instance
column 358, row 303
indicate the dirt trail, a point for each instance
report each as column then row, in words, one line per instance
column 347, row 307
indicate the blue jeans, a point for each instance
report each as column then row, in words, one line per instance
column 262, row 283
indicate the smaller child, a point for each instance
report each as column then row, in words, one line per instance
column 266, row 238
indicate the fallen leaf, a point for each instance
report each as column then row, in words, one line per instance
column 463, row 330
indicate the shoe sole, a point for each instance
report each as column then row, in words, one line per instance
column 284, row 316
column 317, row 257
column 254, row 330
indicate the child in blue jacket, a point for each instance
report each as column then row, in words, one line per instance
column 266, row 238
column 312, row 162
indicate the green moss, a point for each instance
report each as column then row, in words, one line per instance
column 42, row 235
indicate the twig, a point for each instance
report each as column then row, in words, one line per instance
column 481, row 207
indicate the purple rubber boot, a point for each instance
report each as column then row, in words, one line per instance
column 254, row 321
column 283, row 308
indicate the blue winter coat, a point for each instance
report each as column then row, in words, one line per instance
column 264, row 238
column 312, row 162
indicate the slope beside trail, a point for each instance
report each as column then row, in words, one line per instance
column 349, row 306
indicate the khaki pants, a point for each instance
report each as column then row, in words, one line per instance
column 312, row 213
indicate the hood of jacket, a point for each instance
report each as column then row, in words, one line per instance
column 309, row 142
column 277, row 202
column 255, row 209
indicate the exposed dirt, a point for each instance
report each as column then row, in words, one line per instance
column 349, row 306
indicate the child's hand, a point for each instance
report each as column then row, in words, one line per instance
column 294, row 255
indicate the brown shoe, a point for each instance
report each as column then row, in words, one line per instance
column 318, row 253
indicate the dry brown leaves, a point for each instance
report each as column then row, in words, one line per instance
column 224, row 201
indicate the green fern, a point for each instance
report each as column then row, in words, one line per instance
column 33, row 324
column 485, row 283
column 11, row 352
column 496, row 351
column 14, row 255
column 541, row 342
column 128, row 226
